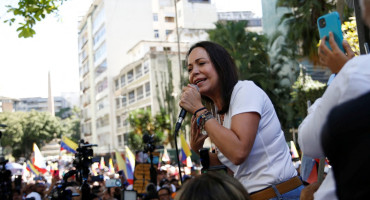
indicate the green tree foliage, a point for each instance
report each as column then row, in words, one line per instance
column 28, row 12
column 26, row 128
column 302, row 34
column 167, row 103
column 72, row 124
column 305, row 89
column 142, row 122
column 248, row 49
column 250, row 53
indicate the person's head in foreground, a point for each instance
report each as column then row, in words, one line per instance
column 212, row 186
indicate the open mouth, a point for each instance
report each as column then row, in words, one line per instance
column 199, row 81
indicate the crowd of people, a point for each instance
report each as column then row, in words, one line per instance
column 239, row 119
column 100, row 187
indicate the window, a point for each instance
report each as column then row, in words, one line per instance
column 117, row 103
column 101, row 68
column 125, row 122
column 125, row 138
column 116, row 83
column 147, row 89
column 155, row 17
column 80, row 70
column 101, row 104
column 118, row 119
column 86, row 128
column 169, row 19
column 102, row 121
column 99, row 35
column 98, row 19
column 83, row 40
column 168, row 32
column 166, row 48
column 100, row 52
column 131, row 97
column 123, row 80
column 119, row 140
column 124, row 100
column 156, row 34
column 85, row 68
column 101, row 86
column 138, row 71
column 83, row 56
column 140, row 93
column 130, row 76
column 146, row 67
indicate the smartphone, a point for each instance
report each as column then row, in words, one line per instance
column 331, row 23
column 113, row 183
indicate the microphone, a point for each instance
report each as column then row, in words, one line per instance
column 182, row 115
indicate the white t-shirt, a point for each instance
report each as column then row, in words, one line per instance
column 352, row 81
column 269, row 161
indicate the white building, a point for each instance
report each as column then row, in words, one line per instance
column 123, row 46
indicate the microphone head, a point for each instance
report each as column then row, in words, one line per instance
column 195, row 87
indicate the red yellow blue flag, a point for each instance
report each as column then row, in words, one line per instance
column 185, row 146
column 32, row 168
column 68, row 145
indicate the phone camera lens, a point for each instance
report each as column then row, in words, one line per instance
column 322, row 23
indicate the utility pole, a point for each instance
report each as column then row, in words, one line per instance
column 362, row 30
column 178, row 43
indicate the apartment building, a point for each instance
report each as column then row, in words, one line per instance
column 106, row 33
column 40, row 104
column 140, row 84
column 7, row 104
column 122, row 48
column 254, row 23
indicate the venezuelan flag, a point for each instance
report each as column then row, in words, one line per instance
column 68, row 145
column 185, row 146
column 111, row 168
column 131, row 158
column 182, row 156
column 121, row 163
column 130, row 172
column 32, row 168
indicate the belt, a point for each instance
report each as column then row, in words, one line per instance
column 283, row 187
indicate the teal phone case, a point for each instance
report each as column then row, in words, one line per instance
column 332, row 24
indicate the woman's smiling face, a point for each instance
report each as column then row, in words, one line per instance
column 202, row 72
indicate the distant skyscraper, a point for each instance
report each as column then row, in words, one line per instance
column 50, row 97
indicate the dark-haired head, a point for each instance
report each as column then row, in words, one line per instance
column 225, row 68
column 212, row 186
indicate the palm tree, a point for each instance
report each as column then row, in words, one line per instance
column 302, row 34
column 250, row 53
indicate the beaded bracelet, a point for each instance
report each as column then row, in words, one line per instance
column 201, row 120
column 195, row 113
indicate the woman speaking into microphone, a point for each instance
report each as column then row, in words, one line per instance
column 241, row 121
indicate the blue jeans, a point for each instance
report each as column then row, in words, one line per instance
column 291, row 195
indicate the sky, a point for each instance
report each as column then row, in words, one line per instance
column 25, row 62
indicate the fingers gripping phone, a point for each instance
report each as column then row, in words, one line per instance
column 331, row 23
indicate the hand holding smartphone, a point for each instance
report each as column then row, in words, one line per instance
column 331, row 23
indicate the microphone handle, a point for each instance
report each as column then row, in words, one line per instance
column 182, row 114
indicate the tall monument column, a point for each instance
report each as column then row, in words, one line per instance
column 50, row 97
